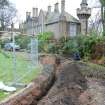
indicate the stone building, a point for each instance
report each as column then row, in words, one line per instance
column 58, row 21
column 84, row 13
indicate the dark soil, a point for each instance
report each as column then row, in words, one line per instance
column 72, row 88
column 68, row 87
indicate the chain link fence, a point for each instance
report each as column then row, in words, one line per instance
column 19, row 60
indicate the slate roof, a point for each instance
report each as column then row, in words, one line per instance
column 70, row 18
column 52, row 18
column 55, row 17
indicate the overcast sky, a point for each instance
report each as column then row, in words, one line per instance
column 26, row 5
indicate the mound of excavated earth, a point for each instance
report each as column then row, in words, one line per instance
column 68, row 87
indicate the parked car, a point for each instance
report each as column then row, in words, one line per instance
column 10, row 46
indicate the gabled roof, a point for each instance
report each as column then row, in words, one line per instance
column 42, row 12
column 52, row 18
column 55, row 17
column 70, row 18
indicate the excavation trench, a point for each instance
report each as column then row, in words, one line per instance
column 71, row 87
column 67, row 87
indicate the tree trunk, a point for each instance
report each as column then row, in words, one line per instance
column 103, row 15
column 104, row 20
column 2, row 25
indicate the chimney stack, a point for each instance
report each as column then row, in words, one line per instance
column 56, row 7
column 35, row 12
column 28, row 15
column 62, row 6
column 49, row 9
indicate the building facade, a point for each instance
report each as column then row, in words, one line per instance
column 83, row 14
column 58, row 21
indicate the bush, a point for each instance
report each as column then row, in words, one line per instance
column 23, row 41
column 85, row 44
column 46, row 36
column 69, row 46
column 3, row 41
column 44, row 39
column 81, row 43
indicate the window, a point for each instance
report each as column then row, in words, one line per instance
column 73, row 29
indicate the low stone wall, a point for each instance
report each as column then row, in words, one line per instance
column 35, row 90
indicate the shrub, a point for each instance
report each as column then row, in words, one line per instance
column 67, row 46
column 44, row 40
column 85, row 44
column 46, row 36
column 23, row 41
column 80, row 43
column 3, row 41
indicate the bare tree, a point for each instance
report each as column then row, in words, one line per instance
column 7, row 13
column 103, row 14
column 4, row 3
column 95, row 24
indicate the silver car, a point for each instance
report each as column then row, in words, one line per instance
column 10, row 46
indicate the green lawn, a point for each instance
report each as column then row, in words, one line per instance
column 23, row 73
column 3, row 95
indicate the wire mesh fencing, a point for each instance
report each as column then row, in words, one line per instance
column 19, row 63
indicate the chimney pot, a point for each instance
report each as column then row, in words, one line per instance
column 35, row 12
column 28, row 15
column 62, row 6
column 49, row 9
column 56, row 7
